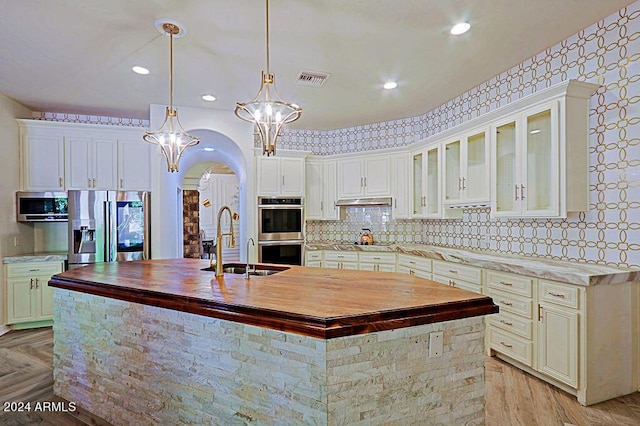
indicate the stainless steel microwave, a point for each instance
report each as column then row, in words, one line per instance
column 41, row 206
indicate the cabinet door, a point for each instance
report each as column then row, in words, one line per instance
column 452, row 173
column 475, row 181
column 329, row 209
column 21, row 306
column 418, row 185
column 134, row 165
column 350, row 178
column 539, row 187
column 78, row 158
column 433, row 197
column 558, row 343
column 269, row 176
column 44, row 298
column 105, row 164
column 313, row 203
column 377, row 177
column 44, row 164
column 292, row 170
column 401, row 183
column 505, row 170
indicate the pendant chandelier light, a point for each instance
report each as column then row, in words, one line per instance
column 171, row 137
column 267, row 111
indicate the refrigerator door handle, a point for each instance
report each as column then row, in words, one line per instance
column 108, row 255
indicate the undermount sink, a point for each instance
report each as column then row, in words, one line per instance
column 255, row 270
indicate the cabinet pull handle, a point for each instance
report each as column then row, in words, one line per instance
column 506, row 345
column 340, row 257
column 522, row 192
column 376, row 258
column 540, row 313
column 282, row 180
column 93, row 182
column 321, row 206
column 60, row 182
column 31, row 284
column 506, row 322
column 37, row 282
column 506, row 283
column 453, row 271
column 412, row 262
column 459, row 184
column 361, row 180
column 562, row 296
column 34, row 270
column 411, row 272
column 121, row 185
column 464, row 183
column 89, row 182
column 516, row 189
column 506, row 303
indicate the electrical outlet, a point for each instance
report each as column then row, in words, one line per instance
column 16, row 241
column 435, row 344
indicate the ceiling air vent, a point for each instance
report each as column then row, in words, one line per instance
column 312, row 78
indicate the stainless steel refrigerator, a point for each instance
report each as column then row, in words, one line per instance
column 108, row 226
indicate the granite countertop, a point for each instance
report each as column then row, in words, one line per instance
column 584, row 274
column 35, row 257
column 318, row 302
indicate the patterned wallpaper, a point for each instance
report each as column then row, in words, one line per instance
column 606, row 53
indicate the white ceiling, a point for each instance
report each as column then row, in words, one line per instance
column 75, row 56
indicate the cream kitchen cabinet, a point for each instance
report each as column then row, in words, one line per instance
column 364, row 177
column 426, row 189
column 377, row 261
column 320, row 195
column 466, row 169
column 539, row 157
column 90, row 163
column 280, row 176
column 28, row 295
column 340, row 259
column 414, row 265
column 42, row 167
column 134, row 164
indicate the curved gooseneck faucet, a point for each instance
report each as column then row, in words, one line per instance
column 219, row 235
column 246, row 271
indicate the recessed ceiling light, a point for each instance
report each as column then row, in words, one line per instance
column 208, row 149
column 140, row 70
column 208, row 98
column 390, row 85
column 460, row 28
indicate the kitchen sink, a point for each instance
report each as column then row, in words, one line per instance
column 255, row 270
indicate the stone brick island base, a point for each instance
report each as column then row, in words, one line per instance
column 131, row 363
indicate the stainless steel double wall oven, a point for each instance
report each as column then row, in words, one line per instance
column 280, row 230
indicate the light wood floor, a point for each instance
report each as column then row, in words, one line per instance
column 513, row 397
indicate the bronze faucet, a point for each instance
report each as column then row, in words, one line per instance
column 219, row 235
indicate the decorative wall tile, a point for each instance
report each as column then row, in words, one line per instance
column 90, row 119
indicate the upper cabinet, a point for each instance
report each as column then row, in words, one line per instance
column 320, row 192
column 90, row 163
column 367, row 176
column 400, row 183
column 466, row 169
column 58, row 156
column 280, row 176
column 427, row 168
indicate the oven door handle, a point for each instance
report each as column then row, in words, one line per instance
column 280, row 242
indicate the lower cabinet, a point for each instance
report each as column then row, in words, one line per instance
column 414, row 265
column 29, row 297
column 340, row 259
column 376, row 261
column 313, row 258
column 461, row 276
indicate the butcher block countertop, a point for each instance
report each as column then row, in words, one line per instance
column 318, row 302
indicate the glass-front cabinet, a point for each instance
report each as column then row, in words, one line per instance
column 526, row 169
column 427, row 199
column 465, row 169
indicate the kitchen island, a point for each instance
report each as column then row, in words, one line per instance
column 164, row 341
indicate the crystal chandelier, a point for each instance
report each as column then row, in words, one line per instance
column 267, row 111
column 171, row 137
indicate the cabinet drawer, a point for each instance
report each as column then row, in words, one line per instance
column 389, row 258
column 458, row 283
column 31, row 269
column 341, row 265
column 415, row 262
column 512, row 346
column 341, row 256
column 512, row 283
column 512, row 303
column 513, row 324
column 454, row 270
column 415, row 272
column 313, row 255
column 559, row 294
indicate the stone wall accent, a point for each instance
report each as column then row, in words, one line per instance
column 136, row 364
column 191, row 218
